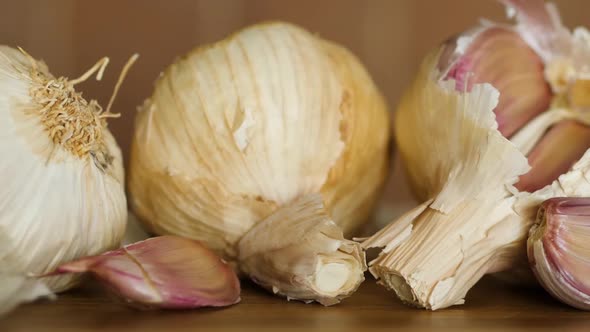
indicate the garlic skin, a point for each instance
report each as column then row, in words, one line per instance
column 62, row 193
column 465, row 148
column 311, row 261
column 236, row 130
column 559, row 252
column 163, row 272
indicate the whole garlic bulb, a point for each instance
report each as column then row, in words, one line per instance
column 495, row 123
column 62, row 194
column 251, row 126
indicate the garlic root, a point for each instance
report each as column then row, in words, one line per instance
column 300, row 253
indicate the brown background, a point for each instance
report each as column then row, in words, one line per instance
column 390, row 36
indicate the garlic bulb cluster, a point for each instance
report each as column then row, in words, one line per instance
column 62, row 194
column 245, row 128
column 559, row 250
column 495, row 123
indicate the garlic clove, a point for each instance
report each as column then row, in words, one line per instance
column 559, row 249
column 310, row 261
column 523, row 90
column 163, row 272
column 563, row 145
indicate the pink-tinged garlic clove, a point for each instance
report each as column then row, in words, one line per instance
column 163, row 272
column 499, row 56
column 559, row 249
column 563, row 145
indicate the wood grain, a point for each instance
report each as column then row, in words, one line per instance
column 491, row 306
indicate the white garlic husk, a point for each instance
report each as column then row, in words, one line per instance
column 62, row 194
column 244, row 128
column 464, row 159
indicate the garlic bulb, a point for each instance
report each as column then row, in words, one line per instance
column 480, row 105
column 62, row 193
column 559, row 251
column 243, row 128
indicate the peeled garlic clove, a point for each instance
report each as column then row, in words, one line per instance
column 556, row 152
column 559, row 249
column 299, row 252
column 238, row 130
column 520, row 80
column 163, row 272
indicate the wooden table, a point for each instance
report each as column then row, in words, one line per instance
column 491, row 306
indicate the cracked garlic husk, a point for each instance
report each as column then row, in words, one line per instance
column 62, row 194
column 493, row 125
column 559, row 250
column 243, row 129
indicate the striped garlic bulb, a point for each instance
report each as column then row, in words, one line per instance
column 62, row 193
column 260, row 146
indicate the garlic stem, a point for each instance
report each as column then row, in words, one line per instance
column 300, row 253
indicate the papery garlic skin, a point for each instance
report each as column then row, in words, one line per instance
column 62, row 194
column 559, row 250
column 238, row 129
column 310, row 261
column 474, row 220
column 435, row 253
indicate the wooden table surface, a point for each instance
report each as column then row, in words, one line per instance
column 491, row 306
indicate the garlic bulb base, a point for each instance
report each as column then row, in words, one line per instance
column 300, row 253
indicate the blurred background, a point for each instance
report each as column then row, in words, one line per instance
column 389, row 36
